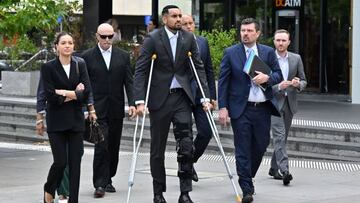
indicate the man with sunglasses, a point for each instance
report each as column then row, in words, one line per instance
column 109, row 72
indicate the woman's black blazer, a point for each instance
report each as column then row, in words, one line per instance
column 60, row 115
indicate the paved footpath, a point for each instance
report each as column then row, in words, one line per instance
column 24, row 168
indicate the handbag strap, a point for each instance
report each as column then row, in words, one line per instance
column 77, row 65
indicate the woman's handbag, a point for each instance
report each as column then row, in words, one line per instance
column 93, row 132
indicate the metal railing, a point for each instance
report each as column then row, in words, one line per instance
column 33, row 58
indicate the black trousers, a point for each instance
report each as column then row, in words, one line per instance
column 59, row 142
column 204, row 134
column 176, row 110
column 106, row 155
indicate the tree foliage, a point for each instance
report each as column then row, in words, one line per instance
column 18, row 17
column 26, row 26
column 218, row 41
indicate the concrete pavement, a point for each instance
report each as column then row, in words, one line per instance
column 343, row 112
column 24, row 169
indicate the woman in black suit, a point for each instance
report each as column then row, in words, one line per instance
column 67, row 86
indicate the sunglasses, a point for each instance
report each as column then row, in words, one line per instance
column 106, row 36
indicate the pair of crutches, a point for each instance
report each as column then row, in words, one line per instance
column 209, row 117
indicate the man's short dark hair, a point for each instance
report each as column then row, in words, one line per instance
column 167, row 8
column 248, row 21
column 155, row 22
column 282, row 31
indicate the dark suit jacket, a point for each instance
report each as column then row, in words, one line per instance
column 234, row 84
column 108, row 85
column 206, row 59
column 296, row 69
column 157, row 42
column 60, row 115
column 40, row 95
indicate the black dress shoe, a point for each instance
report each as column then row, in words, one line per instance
column 185, row 198
column 275, row 174
column 110, row 188
column 287, row 177
column 247, row 199
column 99, row 192
column 159, row 198
column 195, row 176
column 252, row 192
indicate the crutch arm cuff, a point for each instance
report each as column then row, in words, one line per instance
column 202, row 100
column 139, row 102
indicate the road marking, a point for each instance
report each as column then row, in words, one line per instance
column 326, row 124
column 294, row 163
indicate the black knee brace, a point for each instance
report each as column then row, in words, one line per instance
column 185, row 157
column 184, row 148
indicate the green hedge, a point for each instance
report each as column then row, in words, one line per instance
column 218, row 41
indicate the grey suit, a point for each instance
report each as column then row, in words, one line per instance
column 287, row 104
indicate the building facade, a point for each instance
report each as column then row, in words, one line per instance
column 324, row 32
column 321, row 32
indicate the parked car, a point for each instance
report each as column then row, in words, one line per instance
column 5, row 67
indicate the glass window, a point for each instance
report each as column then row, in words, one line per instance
column 310, row 43
column 260, row 10
column 337, row 42
column 307, row 35
column 213, row 13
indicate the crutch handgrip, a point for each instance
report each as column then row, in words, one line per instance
column 153, row 57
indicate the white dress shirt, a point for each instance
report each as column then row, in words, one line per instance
column 255, row 94
column 67, row 69
column 173, row 42
column 106, row 55
column 284, row 65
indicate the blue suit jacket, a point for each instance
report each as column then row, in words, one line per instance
column 234, row 84
column 206, row 59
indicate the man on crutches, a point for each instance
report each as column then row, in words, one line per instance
column 170, row 98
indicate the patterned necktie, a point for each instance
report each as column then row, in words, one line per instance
column 248, row 52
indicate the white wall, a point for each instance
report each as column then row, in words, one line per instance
column 132, row 7
column 184, row 5
column 355, row 90
column 143, row 7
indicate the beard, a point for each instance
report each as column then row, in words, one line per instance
column 176, row 27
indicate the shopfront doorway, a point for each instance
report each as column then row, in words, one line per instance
column 289, row 20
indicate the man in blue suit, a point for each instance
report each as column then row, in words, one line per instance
column 202, row 124
column 248, row 106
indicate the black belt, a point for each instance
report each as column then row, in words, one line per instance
column 174, row 90
column 257, row 104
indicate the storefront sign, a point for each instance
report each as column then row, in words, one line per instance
column 287, row 3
